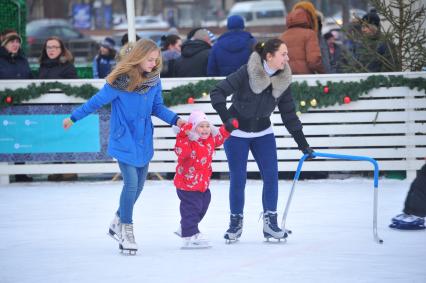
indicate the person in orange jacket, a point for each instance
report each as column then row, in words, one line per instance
column 195, row 146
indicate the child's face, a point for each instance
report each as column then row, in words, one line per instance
column 203, row 130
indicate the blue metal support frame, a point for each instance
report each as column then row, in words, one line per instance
column 345, row 157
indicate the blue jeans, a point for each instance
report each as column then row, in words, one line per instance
column 264, row 151
column 134, row 179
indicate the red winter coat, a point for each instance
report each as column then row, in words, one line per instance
column 194, row 168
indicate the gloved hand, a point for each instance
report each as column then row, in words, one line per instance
column 185, row 129
column 309, row 151
column 231, row 124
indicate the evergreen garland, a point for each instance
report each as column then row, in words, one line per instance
column 337, row 91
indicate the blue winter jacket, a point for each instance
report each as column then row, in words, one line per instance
column 131, row 127
column 231, row 51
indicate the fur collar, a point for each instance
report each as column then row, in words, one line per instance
column 259, row 80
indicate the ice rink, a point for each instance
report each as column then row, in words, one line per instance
column 56, row 232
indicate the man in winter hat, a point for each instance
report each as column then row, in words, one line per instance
column 235, row 22
column 231, row 50
column 372, row 18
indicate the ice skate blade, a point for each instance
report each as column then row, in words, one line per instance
column 113, row 235
column 276, row 241
column 231, row 241
column 268, row 236
column 407, row 227
column 127, row 251
column 195, row 247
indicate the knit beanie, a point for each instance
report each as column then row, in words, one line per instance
column 108, row 42
column 372, row 18
column 235, row 22
column 11, row 37
column 197, row 117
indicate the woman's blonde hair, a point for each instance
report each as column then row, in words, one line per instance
column 129, row 63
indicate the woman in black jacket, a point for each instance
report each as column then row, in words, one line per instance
column 257, row 89
column 56, row 62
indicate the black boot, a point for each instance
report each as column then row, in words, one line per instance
column 235, row 227
column 270, row 226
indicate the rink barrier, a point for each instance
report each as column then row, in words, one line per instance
column 386, row 124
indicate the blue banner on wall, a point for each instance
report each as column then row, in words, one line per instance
column 44, row 134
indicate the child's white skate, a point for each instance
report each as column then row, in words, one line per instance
column 197, row 241
column 127, row 242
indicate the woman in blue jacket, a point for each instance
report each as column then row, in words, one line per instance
column 134, row 90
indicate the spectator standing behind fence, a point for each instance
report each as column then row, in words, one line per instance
column 335, row 51
column 370, row 52
column 325, row 53
column 414, row 213
column 13, row 66
column 104, row 61
column 195, row 55
column 301, row 39
column 257, row 89
column 171, row 51
column 195, row 147
column 13, row 63
column 56, row 61
column 232, row 49
column 134, row 90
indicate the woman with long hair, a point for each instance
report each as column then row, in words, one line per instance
column 56, row 61
column 134, row 90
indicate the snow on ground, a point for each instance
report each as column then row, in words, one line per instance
column 56, row 232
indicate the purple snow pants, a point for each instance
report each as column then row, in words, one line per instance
column 193, row 207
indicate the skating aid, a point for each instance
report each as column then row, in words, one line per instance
column 337, row 156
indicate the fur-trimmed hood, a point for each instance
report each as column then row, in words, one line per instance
column 259, row 80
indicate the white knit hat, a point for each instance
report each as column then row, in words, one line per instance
column 197, row 117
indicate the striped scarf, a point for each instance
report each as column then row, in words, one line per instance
column 122, row 82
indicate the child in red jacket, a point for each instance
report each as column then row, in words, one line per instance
column 195, row 146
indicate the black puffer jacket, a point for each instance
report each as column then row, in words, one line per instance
column 193, row 62
column 55, row 69
column 14, row 66
column 255, row 97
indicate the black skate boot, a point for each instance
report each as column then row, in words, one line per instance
column 270, row 226
column 235, row 228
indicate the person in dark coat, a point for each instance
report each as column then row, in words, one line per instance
column 414, row 213
column 13, row 63
column 104, row 61
column 56, row 61
column 170, row 52
column 194, row 57
column 335, row 51
column 257, row 89
column 370, row 52
column 231, row 50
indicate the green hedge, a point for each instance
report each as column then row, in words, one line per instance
column 13, row 15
